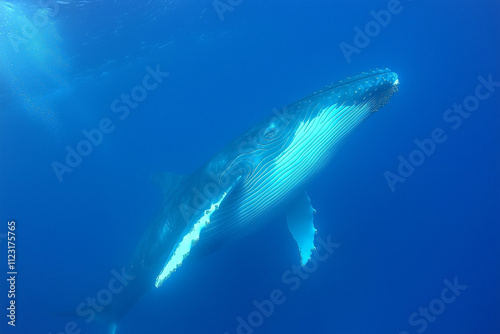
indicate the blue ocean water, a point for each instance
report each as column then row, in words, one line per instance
column 411, row 202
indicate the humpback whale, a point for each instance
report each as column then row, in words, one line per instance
column 263, row 172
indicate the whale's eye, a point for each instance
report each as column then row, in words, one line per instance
column 270, row 131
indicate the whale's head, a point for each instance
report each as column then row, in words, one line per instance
column 368, row 91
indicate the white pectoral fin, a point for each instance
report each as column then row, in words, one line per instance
column 190, row 237
column 300, row 219
column 184, row 246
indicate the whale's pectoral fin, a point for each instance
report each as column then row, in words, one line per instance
column 299, row 216
column 167, row 182
column 196, row 221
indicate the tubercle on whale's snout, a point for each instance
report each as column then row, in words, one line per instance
column 381, row 99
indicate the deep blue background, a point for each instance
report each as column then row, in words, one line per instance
column 396, row 247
